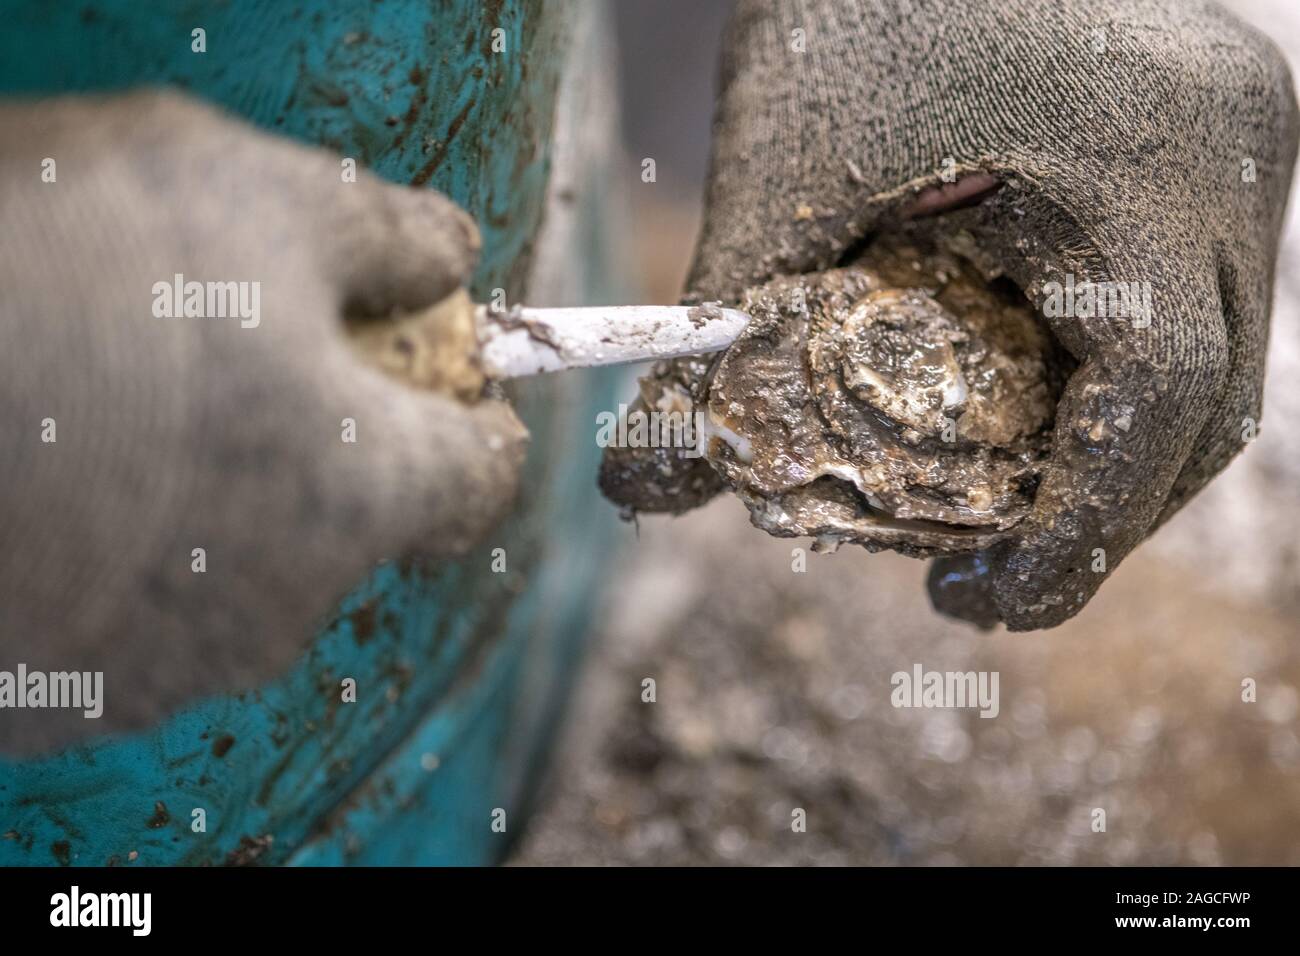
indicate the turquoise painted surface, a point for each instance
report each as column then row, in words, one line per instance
column 410, row 88
column 438, row 737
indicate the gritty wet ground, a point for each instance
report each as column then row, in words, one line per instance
column 773, row 693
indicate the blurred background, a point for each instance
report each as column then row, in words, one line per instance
column 773, row 686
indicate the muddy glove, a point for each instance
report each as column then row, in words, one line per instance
column 1133, row 141
column 185, row 496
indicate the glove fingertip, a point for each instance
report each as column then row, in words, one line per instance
column 1044, row 580
column 961, row 587
column 403, row 249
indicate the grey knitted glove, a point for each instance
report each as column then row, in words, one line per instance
column 1135, row 141
column 227, row 434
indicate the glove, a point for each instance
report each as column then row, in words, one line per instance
column 1107, row 141
column 131, row 438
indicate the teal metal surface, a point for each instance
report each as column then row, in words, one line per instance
column 437, row 741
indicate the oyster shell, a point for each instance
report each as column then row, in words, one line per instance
column 903, row 402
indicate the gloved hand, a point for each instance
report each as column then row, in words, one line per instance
column 225, row 434
column 1124, row 134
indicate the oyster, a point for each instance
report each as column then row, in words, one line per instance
column 904, row 401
